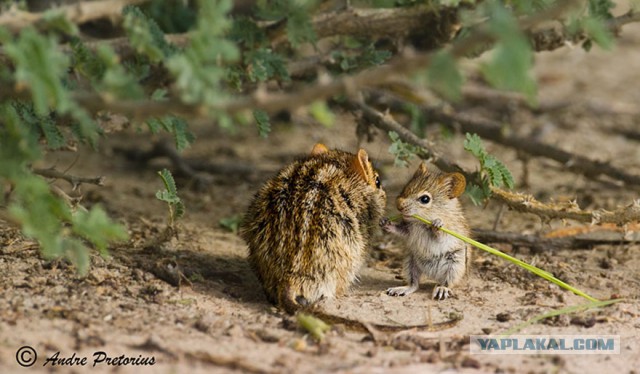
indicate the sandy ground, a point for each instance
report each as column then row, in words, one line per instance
column 221, row 322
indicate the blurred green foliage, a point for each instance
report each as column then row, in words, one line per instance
column 51, row 70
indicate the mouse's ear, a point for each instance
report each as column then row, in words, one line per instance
column 457, row 184
column 319, row 149
column 362, row 167
column 422, row 169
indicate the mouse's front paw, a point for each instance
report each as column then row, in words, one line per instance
column 442, row 293
column 401, row 291
column 436, row 225
column 386, row 224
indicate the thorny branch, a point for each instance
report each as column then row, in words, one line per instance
column 80, row 12
column 528, row 204
column 75, row 181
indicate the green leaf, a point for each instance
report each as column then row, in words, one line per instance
column 601, row 9
column 167, row 197
column 373, row 57
column 77, row 253
column 159, row 94
column 476, row 194
column 40, row 66
column 262, row 120
column 246, row 32
column 597, row 31
column 444, row 76
column 198, row 72
column 85, row 61
column 176, row 126
column 299, row 27
column 507, row 177
column 84, row 128
column 39, row 213
column 18, row 145
column 56, row 20
column 45, row 125
column 512, row 60
column 315, row 326
column 116, row 81
column 322, row 113
column 263, row 64
column 179, row 210
column 498, row 174
column 170, row 196
column 473, row 144
column 232, row 223
column 402, row 151
column 145, row 35
column 154, row 124
column 181, row 134
column 96, row 227
column 169, row 182
column 52, row 133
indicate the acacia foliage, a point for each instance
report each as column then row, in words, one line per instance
column 56, row 85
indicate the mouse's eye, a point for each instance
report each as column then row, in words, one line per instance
column 424, row 199
column 378, row 184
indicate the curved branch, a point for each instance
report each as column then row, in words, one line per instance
column 75, row 181
column 80, row 12
column 528, row 204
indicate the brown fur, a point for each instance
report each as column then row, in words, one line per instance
column 308, row 227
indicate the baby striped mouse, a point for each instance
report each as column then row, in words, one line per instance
column 433, row 195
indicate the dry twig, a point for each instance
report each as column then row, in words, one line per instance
column 75, row 181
